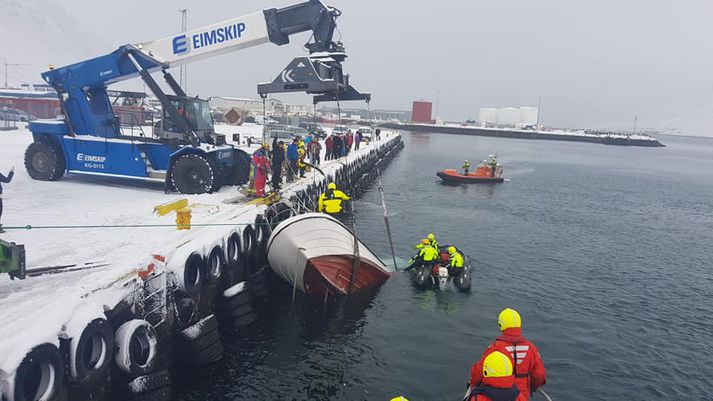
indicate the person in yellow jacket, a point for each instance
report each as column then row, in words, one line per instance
column 428, row 253
column 430, row 240
column 301, row 161
column 330, row 202
column 455, row 261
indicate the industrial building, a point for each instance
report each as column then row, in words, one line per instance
column 522, row 117
column 422, row 112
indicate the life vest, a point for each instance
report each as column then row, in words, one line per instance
column 529, row 371
column 457, row 260
column 428, row 253
column 331, row 201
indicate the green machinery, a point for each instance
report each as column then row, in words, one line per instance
column 12, row 259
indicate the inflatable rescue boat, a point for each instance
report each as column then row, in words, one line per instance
column 315, row 253
column 482, row 175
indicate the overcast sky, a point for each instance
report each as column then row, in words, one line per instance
column 595, row 63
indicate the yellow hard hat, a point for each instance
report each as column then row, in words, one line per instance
column 332, row 185
column 425, row 241
column 399, row 398
column 451, row 250
column 266, row 146
column 431, row 237
column 497, row 364
column 509, row 318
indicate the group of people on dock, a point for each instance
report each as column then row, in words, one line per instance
column 293, row 160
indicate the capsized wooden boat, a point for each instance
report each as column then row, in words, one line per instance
column 315, row 253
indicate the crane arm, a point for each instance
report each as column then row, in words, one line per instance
column 271, row 25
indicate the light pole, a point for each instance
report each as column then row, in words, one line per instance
column 183, row 72
column 7, row 65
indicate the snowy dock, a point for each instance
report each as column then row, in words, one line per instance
column 114, row 252
column 611, row 138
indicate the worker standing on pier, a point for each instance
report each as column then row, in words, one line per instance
column 338, row 147
column 330, row 201
column 278, row 158
column 292, row 158
column 348, row 143
column 5, row 180
column 301, row 153
column 261, row 162
column 314, row 149
column 377, row 134
column 529, row 370
column 357, row 140
column 328, row 144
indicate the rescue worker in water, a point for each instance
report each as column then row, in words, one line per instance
column 330, row 202
column 529, row 370
column 498, row 382
column 455, row 262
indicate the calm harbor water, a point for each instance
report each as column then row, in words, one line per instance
column 606, row 252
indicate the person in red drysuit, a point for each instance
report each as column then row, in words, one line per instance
column 529, row 370
column 498, row 382
column 261, row 163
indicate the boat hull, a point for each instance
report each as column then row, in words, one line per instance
column 314, row 253
column 469, row 179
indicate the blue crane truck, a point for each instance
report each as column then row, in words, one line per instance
column 182, row 150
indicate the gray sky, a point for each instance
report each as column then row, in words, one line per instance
column 596, row 63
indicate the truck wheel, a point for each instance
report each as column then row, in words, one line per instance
column 193, row 174
column 44, row 162
column 218, row 175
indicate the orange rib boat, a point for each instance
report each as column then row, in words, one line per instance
column 482, row 175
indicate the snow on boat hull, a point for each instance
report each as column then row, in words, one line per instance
column 315, row 253
column 479, row 177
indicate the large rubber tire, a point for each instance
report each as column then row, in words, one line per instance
column 150, row 382
column 93, row 352
column 219, row 175
column 40, row 375
column 201, row 343
column 249, row 249
column 44, row 161
column 161, row 394
column 245, row 320
column 215, row 263
column 136, row 347
column 193, row 271
column 193, row 174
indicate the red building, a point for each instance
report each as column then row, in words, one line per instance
column 421, row 112
column 36, row 104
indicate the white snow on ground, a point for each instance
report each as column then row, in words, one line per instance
column 40, row 309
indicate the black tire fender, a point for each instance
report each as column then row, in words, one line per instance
column 150, row 382
column 191, row 277
column 233, row 250
column 136, row 344
column 39, row 376
column 90, row 354
column 249, row 246
column 215, row 263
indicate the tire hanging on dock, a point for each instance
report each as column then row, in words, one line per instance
column 237, row 306
column 154, row 386
column 90, row 354
column 191, row 277
column 249, row 249
column 200, row 343
column 39, row 376
column 136, row 346
column 215, row 263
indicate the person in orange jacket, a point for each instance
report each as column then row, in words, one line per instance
column 497, row 381
column 529, row 370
